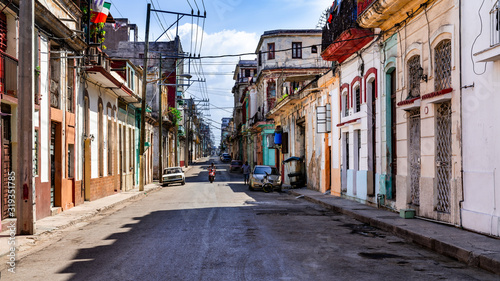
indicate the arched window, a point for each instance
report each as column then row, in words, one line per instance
column 110, row 114
column 100, row 143
column 413, row 76
column 357, row 99
column 442, row 62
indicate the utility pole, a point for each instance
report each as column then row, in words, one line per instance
column 143, row 105
column 186, row 152
column 24, row 191
column 160, row 133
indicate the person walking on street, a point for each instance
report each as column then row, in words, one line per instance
column 246, row 172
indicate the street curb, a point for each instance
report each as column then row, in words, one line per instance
column 481, row 259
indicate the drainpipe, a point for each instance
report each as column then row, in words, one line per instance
column 460, row 203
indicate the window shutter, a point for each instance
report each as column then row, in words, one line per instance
column 321, row 119
column 328, row 118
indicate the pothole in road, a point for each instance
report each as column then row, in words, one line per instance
column 378, row 255
column 363, row 229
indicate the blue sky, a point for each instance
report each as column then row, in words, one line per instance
column 231, row 27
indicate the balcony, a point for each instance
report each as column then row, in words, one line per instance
column 385, row 13
column 342, row 36
column 8, row 75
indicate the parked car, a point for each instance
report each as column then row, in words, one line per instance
column 225, row 157
column 235, row 166
column 257, row 177
column 173, row 175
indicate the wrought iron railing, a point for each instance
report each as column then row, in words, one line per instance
column 96, row 57
column 8, row 75
column 343, row 18
column 363, row 4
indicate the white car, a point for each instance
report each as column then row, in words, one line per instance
column 173, row 175
column 257, row 177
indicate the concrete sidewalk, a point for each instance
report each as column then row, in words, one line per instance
column 73, row 216
column 468, row 247
column 78, row 214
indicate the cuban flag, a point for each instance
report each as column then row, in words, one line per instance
column 100, row 11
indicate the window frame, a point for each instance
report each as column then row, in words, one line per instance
column 271, row 51
column 296, row 50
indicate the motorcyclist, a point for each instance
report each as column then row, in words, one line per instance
column 211, row 167
column 211, row 172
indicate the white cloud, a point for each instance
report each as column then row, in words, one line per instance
column 219, row 84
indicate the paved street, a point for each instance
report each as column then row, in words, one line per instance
column 222, row 231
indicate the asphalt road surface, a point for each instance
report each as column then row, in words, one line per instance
column 223, row 231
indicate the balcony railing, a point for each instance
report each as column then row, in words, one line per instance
column 96, row 57
column 341, row 21
column 363, row 4
column 8, row 75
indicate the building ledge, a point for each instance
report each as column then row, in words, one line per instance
column 490, row 54
column 356, row 120
column 439, row 96
column 410, row 104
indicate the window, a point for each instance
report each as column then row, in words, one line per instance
column 270, row 51
column 35, row 158
column 413, row 76
column 357, row 99
column 71, row 84
column 247, row 72
column 345, row 101
column 260, row 58
column 296, row 50
column 495, row 24
column 71, row 161
column 130, row 78
column 442, row 63
column 110, row 139
column 314, row 49
column 101, row 139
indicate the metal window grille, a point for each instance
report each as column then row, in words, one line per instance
column 414, row 156
column 442, row 62
column 346, row 107
column 495, row 24
column 443, row 156
column 413, row 77
column 358, row 98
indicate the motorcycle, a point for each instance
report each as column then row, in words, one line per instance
column 211, row 175
column 267, row 186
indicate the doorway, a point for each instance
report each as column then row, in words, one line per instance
column 6, row 159
column 393, row 169
column 55, row 164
